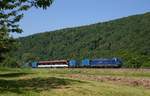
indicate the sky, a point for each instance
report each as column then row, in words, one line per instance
column 71, row 13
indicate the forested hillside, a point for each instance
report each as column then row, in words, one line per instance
column 127, row 38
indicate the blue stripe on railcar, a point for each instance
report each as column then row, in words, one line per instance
column 34, row 64
column 85, row 63
column 72, row 63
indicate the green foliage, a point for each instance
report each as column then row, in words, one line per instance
column 28, row 58
column 127, row 38
column 10, row 62
column 11, row 12
column 133, row 59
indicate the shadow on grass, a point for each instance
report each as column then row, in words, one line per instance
column 34, row 84
column 8, row 75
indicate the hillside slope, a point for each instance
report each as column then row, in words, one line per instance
column 127, row 38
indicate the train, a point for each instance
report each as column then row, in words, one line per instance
column 85, row 63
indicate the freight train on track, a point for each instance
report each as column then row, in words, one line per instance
column 85, row 63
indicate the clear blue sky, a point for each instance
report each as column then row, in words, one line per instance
column 71, row 13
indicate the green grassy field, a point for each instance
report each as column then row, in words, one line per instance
column 74, row 82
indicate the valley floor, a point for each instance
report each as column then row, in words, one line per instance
column 74, row 82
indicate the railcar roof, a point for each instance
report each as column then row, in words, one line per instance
column 52, row 61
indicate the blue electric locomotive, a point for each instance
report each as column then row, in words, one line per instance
column 102, row 62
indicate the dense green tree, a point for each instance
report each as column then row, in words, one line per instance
column 29, row 57
column 11, row 12
column 10, row 62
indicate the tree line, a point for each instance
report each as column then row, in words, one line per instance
column 126, row 38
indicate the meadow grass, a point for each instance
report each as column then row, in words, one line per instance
column 102, row 72
column 54, row 82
